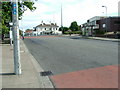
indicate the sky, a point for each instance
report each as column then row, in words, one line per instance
column 72, row 10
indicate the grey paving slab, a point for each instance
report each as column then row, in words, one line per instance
column 30, row 77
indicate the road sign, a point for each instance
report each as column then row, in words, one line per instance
column 14, row 9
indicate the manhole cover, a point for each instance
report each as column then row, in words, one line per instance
column 46, row 73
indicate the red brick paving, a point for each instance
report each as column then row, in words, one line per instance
column 102, row 77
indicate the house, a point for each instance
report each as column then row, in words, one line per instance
column 28, row 32
column 99, row 23
column 50, row 28
column 91, row 25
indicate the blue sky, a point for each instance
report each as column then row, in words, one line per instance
column 73, row 10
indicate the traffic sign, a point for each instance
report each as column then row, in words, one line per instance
column 14, row 9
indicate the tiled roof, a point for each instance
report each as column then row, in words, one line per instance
column 29, row 31
column 47, row 25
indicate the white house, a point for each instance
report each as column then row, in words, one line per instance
column 47, row 29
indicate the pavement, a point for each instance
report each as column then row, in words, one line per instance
column 95, row 38
column 30, row 77
column 105, row 39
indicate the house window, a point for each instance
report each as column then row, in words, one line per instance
column 56, row 28
column 103, row 25
column 45, row 28
column 117, row 22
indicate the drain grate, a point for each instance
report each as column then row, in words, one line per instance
column 46, row 73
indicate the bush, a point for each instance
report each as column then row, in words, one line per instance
column 66, row 33
column 73, row 32
column 100, row 32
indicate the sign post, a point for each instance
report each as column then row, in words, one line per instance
column 17, row 64
column 11, row 37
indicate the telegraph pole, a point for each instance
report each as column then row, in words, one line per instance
column 17, row 64
column 61, row 20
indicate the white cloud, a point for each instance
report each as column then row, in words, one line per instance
column 73, row 10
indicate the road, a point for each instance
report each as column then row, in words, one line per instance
column 69, row 54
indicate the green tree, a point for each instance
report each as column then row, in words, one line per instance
column 6, row 13
column 74, row 26
column 63, row 29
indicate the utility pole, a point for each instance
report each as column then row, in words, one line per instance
column 61, row 20
column 17, row 64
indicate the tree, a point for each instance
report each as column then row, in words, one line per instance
column 63, row 29
column 74, row 26
column 6, row 13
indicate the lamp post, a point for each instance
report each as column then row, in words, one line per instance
column 106, row 20
column 106, row 9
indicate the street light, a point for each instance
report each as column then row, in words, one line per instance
column 106, row 19
column 106, row 9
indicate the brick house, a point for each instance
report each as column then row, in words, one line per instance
column 111, row 24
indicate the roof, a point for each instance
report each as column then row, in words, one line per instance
column 47, row 25
column 96, row 18
column 29, row 31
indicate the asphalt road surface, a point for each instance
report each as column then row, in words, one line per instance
column 68, row 54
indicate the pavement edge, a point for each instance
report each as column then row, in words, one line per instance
column 46, row 82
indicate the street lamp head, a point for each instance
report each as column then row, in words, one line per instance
column 104, row 6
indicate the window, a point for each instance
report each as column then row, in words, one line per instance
column 117, row 22
column 98, row 21
column 103, row 25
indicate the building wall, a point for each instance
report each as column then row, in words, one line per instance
column 111, row 24
column 48, row 29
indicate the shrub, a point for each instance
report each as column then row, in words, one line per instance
column 73, row 32
column 100, row 32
